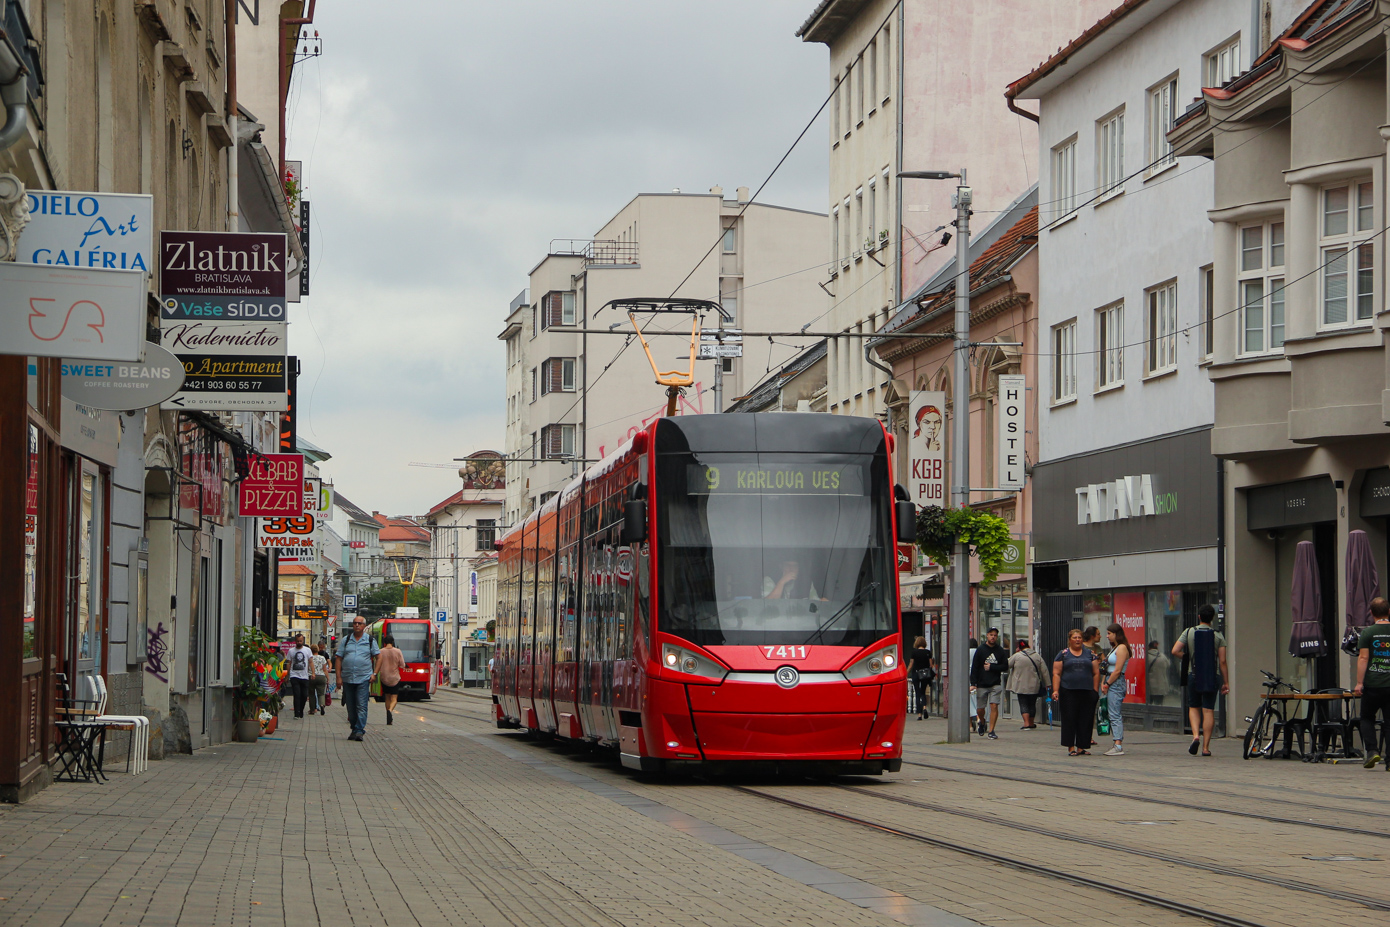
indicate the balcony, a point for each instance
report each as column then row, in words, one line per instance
column 596, row 251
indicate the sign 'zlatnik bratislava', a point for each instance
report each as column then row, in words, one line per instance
column 222, row 303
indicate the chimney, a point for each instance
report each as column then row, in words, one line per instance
column 717, row 190
column 743, row 194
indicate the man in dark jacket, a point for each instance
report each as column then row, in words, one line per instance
column 986, row 677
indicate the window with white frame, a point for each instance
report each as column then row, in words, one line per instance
column 557, row 375
column 1347, row 254
column 730, row 240
column 859, row 220
column 1260, row 288
column 835, row 236
column 1110, row 341
column 1208, row 311
column 859, row 89
column 557, row 441
column 1162, row 103
column 1110, row 152
column 1064, row 361
column 1064, row 178
column 873, row 75
column 1161, row 322
column 887, row 38
column 847, row 85
column 873, row 214
column 1223, row 63
column 835, row 112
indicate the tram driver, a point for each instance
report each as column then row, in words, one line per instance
column 789, row 585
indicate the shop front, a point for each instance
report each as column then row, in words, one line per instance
column 1129, row 535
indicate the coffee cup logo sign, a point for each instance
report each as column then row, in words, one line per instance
column 1126, row 497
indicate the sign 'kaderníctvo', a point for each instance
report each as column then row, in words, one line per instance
column 222, row 303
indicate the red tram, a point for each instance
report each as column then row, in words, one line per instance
column 719, row 592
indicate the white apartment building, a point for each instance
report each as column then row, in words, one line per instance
column 1126, row 493
column 463, row 528
column 915, row 86
column 562, row 410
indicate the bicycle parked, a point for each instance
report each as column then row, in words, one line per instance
column 1268, row 721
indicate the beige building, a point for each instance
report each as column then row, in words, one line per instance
column 1299, row 363
column 561, row 409
column 915, row 86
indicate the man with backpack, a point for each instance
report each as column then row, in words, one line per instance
column 1203, row 651
column 298, row 658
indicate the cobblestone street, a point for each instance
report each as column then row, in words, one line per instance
column 440, row 819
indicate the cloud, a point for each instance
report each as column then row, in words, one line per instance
column 441, row 163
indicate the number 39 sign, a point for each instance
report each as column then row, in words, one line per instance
column 274, row 486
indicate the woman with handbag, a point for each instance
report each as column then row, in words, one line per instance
column 1075, row 677
column 1027, row 681
column 921, row 671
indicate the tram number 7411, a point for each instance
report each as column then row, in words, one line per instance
column 784, row 652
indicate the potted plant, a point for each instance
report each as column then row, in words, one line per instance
column 260, row 671
column 986, row 535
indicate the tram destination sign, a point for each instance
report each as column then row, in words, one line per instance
column 224, row 315
column 774, row 479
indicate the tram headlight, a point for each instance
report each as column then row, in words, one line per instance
column 684, row 661
column 880, row 661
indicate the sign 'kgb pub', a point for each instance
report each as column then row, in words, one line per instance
column 224, row 315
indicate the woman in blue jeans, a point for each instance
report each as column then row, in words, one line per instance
column 1114, row 687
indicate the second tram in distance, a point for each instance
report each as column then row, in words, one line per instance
column 719, row 592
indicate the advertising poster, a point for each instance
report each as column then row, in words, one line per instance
column 298, row 537
column 1129, row 614
column 926, row 448
column 274, row 486
column 224, row 315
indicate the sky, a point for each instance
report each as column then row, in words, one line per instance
column 444, row 151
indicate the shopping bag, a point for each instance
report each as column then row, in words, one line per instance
column 1102, row 718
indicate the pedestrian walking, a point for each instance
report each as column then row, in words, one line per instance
column 318, row 680
column 354, row 667
column 1027, row 681
column 1114, row 686
column 921, row 669
column 1204, row 653
column 1373, row 679
column 970, row 661
column 1075, row 675
column 987, row 667
column 298, row 659
column 388, row 673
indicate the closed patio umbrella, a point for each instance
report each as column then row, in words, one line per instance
column 1307, row 639
column 1363, row 582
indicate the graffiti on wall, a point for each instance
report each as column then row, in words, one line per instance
column 157, row 653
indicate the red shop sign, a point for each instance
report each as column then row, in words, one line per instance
column 274, row 486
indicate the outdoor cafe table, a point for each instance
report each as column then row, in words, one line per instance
column 1292, row 724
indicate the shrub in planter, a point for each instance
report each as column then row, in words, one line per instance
column 987, row 536
column 260, row 671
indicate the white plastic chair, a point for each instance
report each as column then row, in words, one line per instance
column 138, row 755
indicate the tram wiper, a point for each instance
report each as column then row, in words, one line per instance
column 847, row 606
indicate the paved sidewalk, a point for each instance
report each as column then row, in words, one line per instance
column 416, row 825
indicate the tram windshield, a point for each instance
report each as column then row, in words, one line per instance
column 775, row 548
column 412, row 638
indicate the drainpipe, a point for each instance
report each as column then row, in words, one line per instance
column 285, row 76
column 1009, row 101
column 233, row 125
column 13, row 90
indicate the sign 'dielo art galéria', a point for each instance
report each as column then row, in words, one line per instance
column 223, row 313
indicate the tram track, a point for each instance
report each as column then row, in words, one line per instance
column 1091, row 790
column 1148, row 782
column 1051, row 872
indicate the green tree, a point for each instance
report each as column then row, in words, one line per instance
column 386, row 598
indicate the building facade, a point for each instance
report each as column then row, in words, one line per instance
column 913, row 86
column 576, row 395
column 122, row 539
column 1297, row 153
column 917, row 343
column 1127, row 503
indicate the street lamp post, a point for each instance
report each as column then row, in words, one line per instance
column 958, row 618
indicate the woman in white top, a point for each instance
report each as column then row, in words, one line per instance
column 1114, row 688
